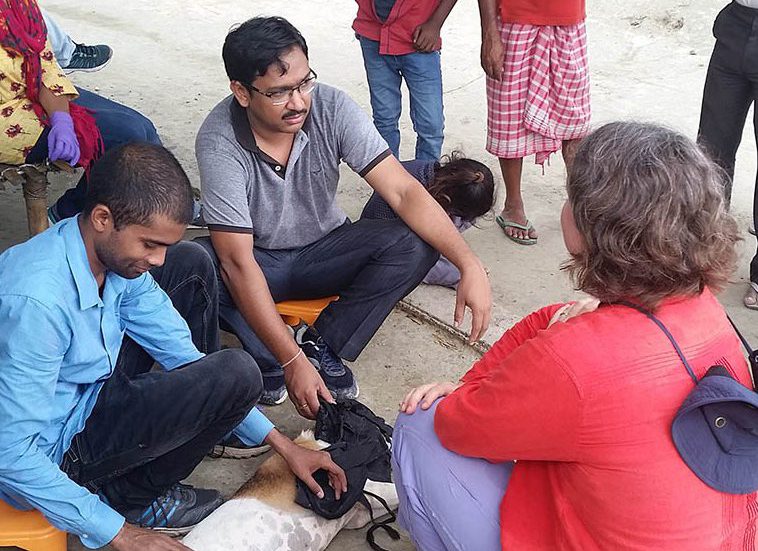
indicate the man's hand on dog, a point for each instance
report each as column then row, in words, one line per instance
column 133, row 538
column 304, row 463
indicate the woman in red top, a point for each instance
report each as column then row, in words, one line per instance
column 584, row 405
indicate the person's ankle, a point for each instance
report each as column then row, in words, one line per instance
column 514, row 209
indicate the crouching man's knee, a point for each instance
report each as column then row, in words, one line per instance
column 190, row 258
column 417, row 254
column 237, row 376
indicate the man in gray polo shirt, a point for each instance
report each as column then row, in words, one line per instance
column 269, row 159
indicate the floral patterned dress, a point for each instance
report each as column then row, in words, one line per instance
column 20, row 128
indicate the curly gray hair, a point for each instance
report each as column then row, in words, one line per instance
column 649, row 205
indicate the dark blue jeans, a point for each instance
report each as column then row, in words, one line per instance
column 118, row 125
column 731, row 87
column 150, row 429
column 370, row 264
column 423, row 76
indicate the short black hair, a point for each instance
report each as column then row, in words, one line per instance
column 136, row 181
column 250, row 49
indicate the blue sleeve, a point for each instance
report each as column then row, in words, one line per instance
column 29, row 368
column 153, row 322
column 254, row 428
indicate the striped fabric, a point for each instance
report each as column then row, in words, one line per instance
column 543, row 96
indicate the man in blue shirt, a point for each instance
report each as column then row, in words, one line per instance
column 89, row 435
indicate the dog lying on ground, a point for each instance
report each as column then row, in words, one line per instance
column 263, row 515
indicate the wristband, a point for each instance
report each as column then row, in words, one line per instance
column 295, row 357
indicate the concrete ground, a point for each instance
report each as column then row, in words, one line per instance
column 648, row 61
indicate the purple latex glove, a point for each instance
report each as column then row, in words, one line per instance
column 61, row 141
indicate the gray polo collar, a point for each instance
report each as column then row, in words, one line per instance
column 246, row 138
column 241, row 127
column 242, row 132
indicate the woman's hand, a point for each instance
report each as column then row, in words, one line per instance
column 574, row 309
column 425, row 395
column 62, row 143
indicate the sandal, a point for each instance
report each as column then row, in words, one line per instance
column 750, row 300
column 504, row 224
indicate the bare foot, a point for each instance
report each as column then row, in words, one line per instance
column 518, row 216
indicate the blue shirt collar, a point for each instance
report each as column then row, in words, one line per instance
column 76, row 256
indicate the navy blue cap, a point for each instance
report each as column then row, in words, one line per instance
column 716, row 433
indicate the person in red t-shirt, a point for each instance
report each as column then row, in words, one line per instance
column 535, row 55
column 400, row 40
column 559, row 438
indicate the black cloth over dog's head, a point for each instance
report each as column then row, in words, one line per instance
column 360, row 444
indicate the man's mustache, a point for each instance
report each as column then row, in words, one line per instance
column 289, row 114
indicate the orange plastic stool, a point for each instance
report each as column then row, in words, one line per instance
column 292, row 311
column 28, row 530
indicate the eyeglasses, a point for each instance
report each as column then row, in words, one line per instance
column 280, row 97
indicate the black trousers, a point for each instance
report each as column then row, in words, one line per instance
column 731, row 87
column 370, row 264
column 150, row 429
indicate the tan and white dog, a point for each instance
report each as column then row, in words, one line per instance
column 263, row 515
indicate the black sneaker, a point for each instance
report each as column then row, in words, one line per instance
column 197, row 210
column 274, row 391
column 89, row 58
column 232, row 447
column 177, row 511
column 52, row 215
column 337, row 376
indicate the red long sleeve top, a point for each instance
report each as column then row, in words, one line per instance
column 585, row 407
column 543, row 12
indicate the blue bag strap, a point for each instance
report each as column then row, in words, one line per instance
column 659, row 323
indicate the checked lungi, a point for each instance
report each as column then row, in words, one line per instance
column 543, row 96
